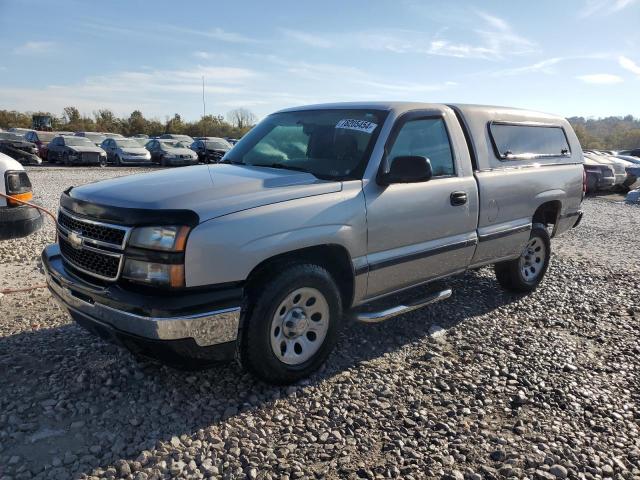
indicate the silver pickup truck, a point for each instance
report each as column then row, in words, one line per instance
column 318, row 214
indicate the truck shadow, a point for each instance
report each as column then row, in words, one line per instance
column 82, row 403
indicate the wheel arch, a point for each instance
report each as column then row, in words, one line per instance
column 334, row 258
column 548, row 213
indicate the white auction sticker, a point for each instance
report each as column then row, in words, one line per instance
column 359, row 125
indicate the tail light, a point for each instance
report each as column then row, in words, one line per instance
column 18, row 187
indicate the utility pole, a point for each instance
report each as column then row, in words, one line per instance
column 204, row 111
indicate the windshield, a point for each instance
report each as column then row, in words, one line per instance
column 127, row 143
column 173, row 144
column 218, row 144
column 46, row 136
column 77, row 141
column 332, row 144
column 94, row 137
column 140, row 141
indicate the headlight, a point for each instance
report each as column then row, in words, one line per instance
column 103, row 154
column 168, row 239
column 18, row 187
column 151, row 273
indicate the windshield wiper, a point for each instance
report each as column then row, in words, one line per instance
column 284, row 166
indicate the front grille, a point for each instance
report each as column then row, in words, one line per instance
column 90, row 157
column 91, row 230
column 92, row 247
column 98, row 264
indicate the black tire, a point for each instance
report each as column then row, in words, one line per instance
column 592, row 184
column 163, row 162
column 65, row 159
column 118, row 161
column 51, row 158
column 510, row 274
column 256, row 352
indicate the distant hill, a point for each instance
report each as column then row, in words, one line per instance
column 611, row 133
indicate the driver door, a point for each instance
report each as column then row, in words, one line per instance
column 420, row 231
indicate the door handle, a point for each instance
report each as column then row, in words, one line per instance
column 458, row 198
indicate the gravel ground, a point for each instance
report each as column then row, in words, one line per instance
column 484, row 385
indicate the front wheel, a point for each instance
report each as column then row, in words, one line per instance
column 292, row 325
column 525, row 273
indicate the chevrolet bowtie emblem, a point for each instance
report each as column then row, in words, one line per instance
column 75, row 239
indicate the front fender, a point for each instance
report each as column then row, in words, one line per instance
column 228, row 248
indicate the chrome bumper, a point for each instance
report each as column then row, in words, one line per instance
column 206, row 329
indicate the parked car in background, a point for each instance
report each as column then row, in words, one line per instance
column 16, row 220
column 125, row 150
column 21, row 132
column 599, row 176
column 618, row 167
column 74, row 149
column 210, row 149
column 19, row 149
column 171, row 153
column 96, row 137
column 140, row 135
column 112, row 135
column 634, row 152
column 181, row 138
column 232, row 141
column 41, row 141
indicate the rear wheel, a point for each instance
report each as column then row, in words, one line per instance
column 65, row 159
column 292, row 325
column 526, row 272
column 118, row 161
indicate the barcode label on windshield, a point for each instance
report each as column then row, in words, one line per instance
column 359, row 125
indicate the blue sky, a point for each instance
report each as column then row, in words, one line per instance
column 572, row 57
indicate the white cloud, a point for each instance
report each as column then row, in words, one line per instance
column 608, row 7
column 33, row 48
column 496, row 39
column 600, row 79
column 629, row 64
column 214, row 33
column 543, row 66
column 307, row 38
column 155, row 92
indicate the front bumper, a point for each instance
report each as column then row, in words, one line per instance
column 136, row 159
column 201, row 326
column 17, row 222
column 181, row 162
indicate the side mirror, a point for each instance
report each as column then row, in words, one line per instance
column 407, row 169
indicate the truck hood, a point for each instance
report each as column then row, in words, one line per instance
column 209, row 190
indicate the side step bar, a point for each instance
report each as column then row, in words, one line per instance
column 381, row 316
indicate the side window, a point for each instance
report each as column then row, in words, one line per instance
column 524, row 142
column 426, row 137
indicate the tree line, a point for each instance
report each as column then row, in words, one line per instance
column 609, row 133
column 237, row 123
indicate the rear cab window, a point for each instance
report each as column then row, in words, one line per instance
column 518, row 141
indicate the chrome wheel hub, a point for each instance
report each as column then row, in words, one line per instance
column 532, row 259
column 299, row 326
